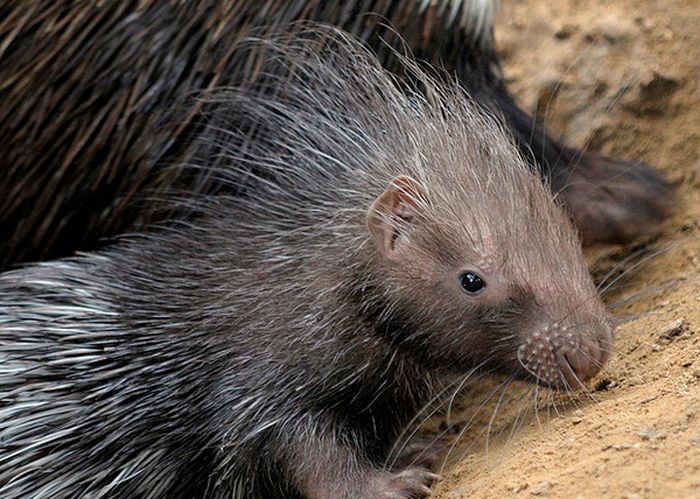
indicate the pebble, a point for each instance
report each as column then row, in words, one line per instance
column 649, row 399
column 541, row 488
column 519, row 488
column 565, row 31
column 672, row 330
column 621, row 446
column 651, row 434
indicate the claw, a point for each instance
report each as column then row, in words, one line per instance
column 412, row 483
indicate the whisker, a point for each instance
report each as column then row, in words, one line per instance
column 519, row 419
column 403, row 439
column 641, row 262
column 495, row 411
column 394, row 453
column 467, row 426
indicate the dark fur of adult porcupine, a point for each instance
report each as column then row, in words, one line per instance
column 276, row 345
column 95, row 106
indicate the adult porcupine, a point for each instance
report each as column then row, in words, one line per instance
column 95, row 104
column 277, row 344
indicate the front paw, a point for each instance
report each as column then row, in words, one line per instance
column 421, row 451
column 410, row 483
column 615, row 201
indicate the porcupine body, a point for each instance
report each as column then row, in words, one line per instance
column 97, row 104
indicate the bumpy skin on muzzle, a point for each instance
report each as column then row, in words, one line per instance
column 563, row 358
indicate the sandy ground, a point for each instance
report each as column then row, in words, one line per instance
column 621, row 77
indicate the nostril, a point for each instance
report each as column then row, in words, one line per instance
column 580, row 365
column 568, row 369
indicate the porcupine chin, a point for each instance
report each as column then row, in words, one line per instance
column 276, row 345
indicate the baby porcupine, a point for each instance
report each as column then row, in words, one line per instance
column 276, row 343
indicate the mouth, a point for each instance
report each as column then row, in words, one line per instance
column 563, row 369
column 572, row 378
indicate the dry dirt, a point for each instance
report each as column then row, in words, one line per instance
column 621, row 77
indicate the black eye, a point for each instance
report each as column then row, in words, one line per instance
column 471, row 283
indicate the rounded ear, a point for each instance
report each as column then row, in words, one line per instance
column 395, row 207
